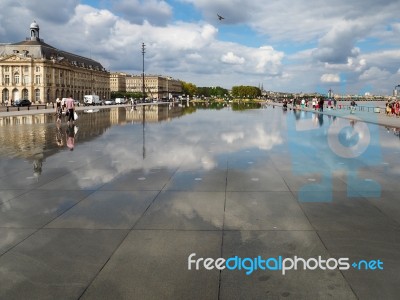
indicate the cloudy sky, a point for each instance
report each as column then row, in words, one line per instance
column 294, row 46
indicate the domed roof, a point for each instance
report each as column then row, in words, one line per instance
column 34, row 25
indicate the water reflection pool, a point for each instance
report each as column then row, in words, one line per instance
column 313, row 156
column 114, row 205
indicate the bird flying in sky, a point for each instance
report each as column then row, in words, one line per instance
column 220, row 17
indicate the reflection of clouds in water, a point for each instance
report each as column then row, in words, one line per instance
column 197, row 144
column 265, row 140
column 207, row 213
column 231, row 137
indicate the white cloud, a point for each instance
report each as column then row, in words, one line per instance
column 330, row 78
column 230, row 58
column 374, row 73
column 309, row 38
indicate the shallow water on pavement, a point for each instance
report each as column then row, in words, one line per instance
column 314, row 154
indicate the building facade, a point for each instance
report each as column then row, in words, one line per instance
column 118, row 82
column 34, row 70
column 156, row 86
column 396, row 91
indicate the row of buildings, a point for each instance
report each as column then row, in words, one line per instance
column 156, row 86
column 34, row 70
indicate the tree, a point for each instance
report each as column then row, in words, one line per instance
column 189, row 89
column 212, row 91
column 243, row 91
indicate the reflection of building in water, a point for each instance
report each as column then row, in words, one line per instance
column 34, row 137
column 118, row 115
column 154, row 113
column 28, row 119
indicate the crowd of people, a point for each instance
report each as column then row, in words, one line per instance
column 316, row 103
column 393, row 108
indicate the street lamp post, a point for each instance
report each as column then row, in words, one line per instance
column 143, row 88
column 143, row 109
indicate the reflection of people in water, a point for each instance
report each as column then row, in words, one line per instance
column 70, row 132
column 37, row 167
column 59, row 135
column 58, row 110
column 321, row 119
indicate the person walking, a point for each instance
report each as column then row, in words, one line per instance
column 353, row 105
column 321, row 104
column 70, row 105
column 397, row 108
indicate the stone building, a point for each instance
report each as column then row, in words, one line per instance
column 156, row 86
column 118, row 82
column 34, row 70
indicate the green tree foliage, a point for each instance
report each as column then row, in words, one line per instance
column 125, row 94
column 244, row 106
column 243, row 91
column 189, row 88
column 218, row 92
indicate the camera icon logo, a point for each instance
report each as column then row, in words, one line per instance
column 321, row 145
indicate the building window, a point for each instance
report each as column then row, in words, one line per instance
column 37, row 79
column 6, row 69
column 26, row 69
column 16, row 78
column 25, row 79
column 37, row 69
column 5, row 95
column 25, row 94
column 37, row 95
column 6, row 79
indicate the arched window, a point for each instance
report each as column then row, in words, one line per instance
column 5, row 95
column 25, row 94
column 15, row 94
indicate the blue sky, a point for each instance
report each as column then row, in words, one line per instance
column 284, row 45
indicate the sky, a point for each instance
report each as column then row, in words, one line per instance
column 349, row 46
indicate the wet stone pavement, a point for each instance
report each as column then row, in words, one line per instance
column 119, row 215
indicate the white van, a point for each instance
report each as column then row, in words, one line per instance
column 91, row 100
column 120, row 100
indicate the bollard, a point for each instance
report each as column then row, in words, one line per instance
column 7, row 109
column 28, row 107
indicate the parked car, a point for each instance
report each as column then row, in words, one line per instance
column 76, row 102
column 24, row 102
column 109, row 102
